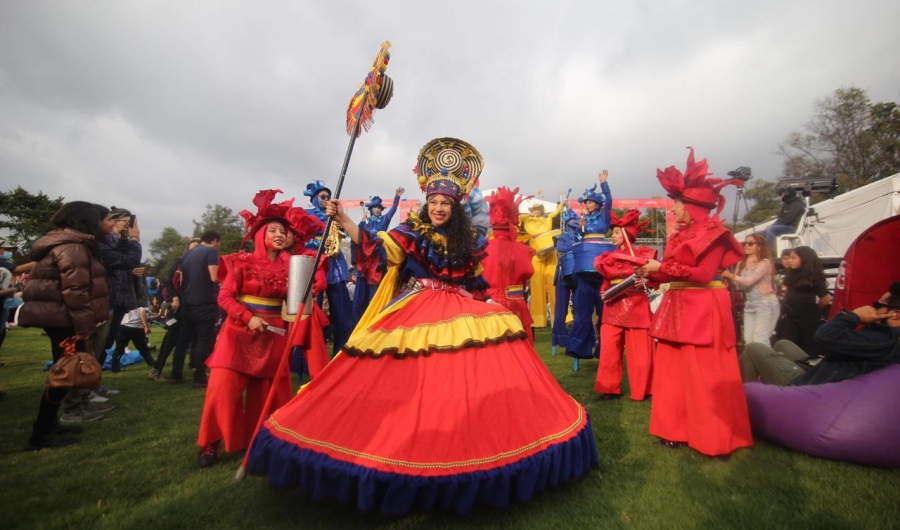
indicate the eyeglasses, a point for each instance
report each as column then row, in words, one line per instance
column 879, row 305
column 749, row 243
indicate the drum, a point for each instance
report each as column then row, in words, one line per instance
column 589, row 249
column 566, row 264
column 543, row 243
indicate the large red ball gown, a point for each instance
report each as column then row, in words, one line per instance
column 435, row 403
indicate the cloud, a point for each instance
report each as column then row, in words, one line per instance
column 168, row 106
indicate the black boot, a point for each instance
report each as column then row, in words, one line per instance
column 44, row 438
column 116, row 364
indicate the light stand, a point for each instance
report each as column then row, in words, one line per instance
column 742, row 174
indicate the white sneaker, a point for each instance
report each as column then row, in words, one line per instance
column 99, row 399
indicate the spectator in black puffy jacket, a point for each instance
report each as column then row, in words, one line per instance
column 792, row 209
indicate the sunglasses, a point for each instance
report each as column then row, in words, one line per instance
column 879, row 305
column 749, row 243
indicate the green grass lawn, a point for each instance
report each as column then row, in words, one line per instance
column 136, row 469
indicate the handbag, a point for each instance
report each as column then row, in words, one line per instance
column 74, row 369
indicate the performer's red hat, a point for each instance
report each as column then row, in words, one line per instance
column 265, row 212
column 630, row 222
column 693, row 187
column 505, row 209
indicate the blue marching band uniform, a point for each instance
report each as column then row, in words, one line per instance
column 339, row 304
column 589, row 242
column 374, row 223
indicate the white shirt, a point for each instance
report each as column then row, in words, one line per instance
column 132, row 319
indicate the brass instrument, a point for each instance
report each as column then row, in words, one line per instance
column 332, row 240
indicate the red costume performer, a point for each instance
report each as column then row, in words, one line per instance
column 698, row 398
column 508, row 266
column 626, row 319
column 246, row 355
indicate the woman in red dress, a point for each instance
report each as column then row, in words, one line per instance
column 437, row 401
column 508, row 264
column 246, row 356
column 626, row 318
column 698, row 397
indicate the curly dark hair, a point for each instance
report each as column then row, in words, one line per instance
column 460, row 234
column 811, row 273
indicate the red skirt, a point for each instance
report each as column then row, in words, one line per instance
column 440, row 404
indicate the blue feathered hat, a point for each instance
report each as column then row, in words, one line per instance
column 591, row 194
column 313, row 189
column 375, row 202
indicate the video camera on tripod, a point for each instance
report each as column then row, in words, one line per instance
column 742, row 173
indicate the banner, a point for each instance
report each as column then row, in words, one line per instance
column 640, row 204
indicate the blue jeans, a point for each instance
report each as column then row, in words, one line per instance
column 760, row 317
column 773, row 231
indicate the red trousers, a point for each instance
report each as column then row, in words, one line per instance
column 231, row 416
column 639, row 347
column 698, row 396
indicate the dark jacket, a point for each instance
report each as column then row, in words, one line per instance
column 850, row 352
column 120, row 256
column 792, row 210
column 68, row 284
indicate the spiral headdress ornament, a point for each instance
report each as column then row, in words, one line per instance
column 449, row 166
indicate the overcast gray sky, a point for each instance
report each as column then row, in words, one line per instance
column 166, row 106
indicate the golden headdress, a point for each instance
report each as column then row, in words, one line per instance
column 449, row 166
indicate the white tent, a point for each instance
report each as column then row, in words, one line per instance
column 839, row 221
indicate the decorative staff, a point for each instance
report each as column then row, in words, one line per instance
column 375, row 92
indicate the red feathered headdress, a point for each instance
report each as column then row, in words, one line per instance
column 693, row 186
column 265, row 212
column 505, row 209
column 630, row 222
column 303, row 225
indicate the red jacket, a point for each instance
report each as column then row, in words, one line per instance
column 696, row 254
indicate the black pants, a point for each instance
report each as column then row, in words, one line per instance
column 52, row 397
column 136, row 335
column 115, row 321
column 198, row 323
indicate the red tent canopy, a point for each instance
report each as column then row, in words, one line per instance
column 871, row 263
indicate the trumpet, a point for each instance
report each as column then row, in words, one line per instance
column 332, row 241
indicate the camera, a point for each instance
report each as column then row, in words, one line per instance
column 742, row 173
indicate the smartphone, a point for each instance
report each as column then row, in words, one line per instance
column 131, row 221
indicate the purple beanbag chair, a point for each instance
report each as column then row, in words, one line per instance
column 856, row 420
